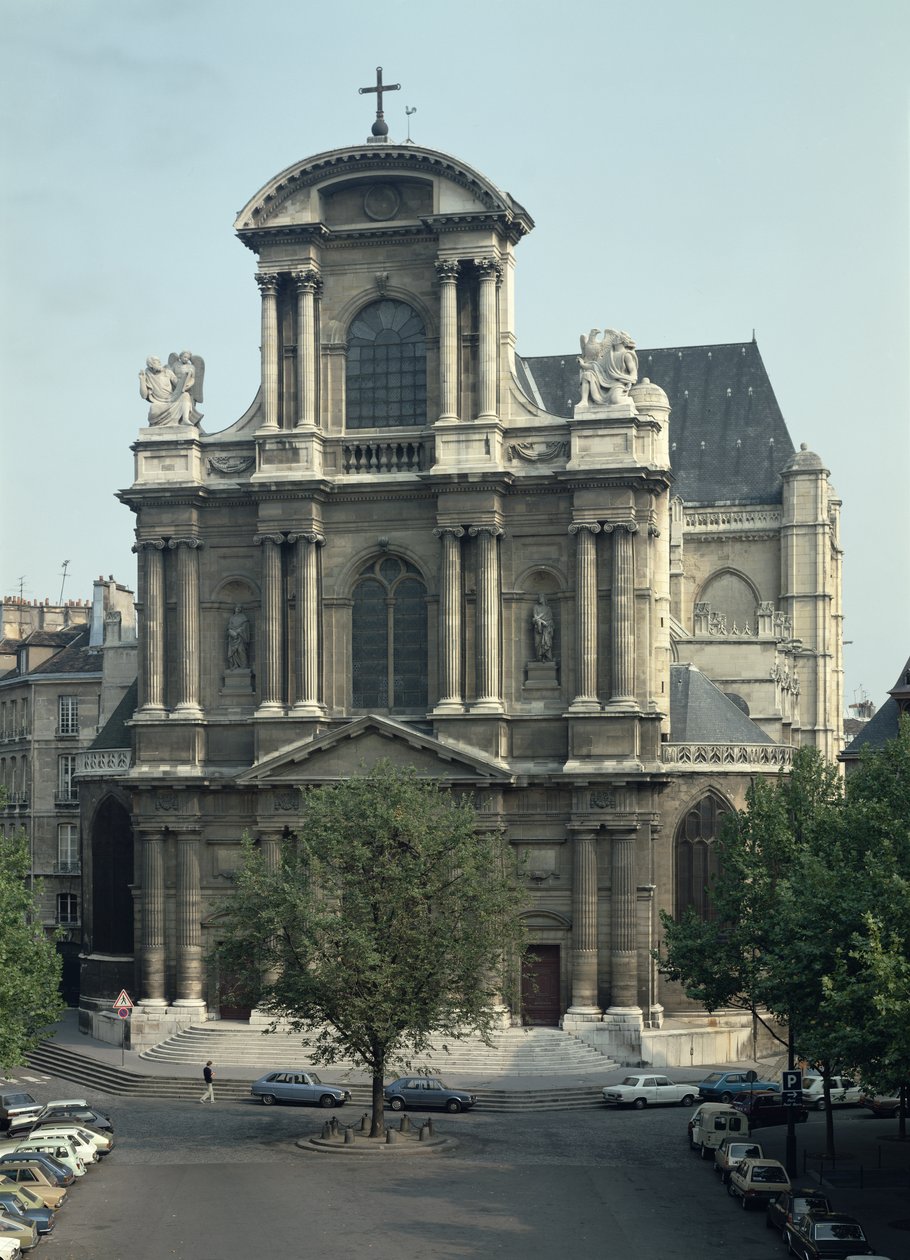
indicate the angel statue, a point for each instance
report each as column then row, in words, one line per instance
column 173, row 391
column 607, row 368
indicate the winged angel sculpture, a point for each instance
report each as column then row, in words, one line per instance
column 607, row 368
column 172, row 392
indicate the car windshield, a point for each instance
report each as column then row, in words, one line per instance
column 828, row 1230
column 765, row 1173
column 811, row 1203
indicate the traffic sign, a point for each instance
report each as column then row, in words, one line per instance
column 123, row 999
column 792, row 1079
column 123, row 1012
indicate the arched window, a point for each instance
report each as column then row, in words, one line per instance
column 696, row 855
column 386, row 375
column 389, row 637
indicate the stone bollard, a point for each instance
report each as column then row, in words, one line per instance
column 334, row 1123
column 429, row 1126
column 406, row 1123
column 391, row 1137
column 422, row 1135
column 364, row 1122
column 326, row 1131
column 348, row 1134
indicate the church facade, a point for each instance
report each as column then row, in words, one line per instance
column 598, row 591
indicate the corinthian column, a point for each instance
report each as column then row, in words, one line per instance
column 487, row 633
column 307, row 645
column 153, row 953
column 451, row 684
column 623, row 955
column 490, row 275
column 622, row 605
column 151, row 639
column 447, row 271
column 187, row 624
column 584, row 925
column 272, row 623
column 308, row 284
column 268, row 288
column 189, row 933
column 585, row 616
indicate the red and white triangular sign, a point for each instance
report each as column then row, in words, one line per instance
column 123, row 999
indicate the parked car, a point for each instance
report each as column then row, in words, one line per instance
column 26, row 1198
column 756, row 1181
column 642, row 1091
column 298, row 1087
column 426, row 1091
column 762, row 1110
column 9, row 1249
column 829, row 1236
column 881, row 1105
column 76, row 1109
column 39, row 1179
column 16, row 1105
column 101, row 1143
column 60, row 1175
column 844, row 1092
column 78, row 1138
column 58, row 1148
column 25, row 1233
column 711, row 1123
column 792, row 1205
column 42, row 1218
column 724, row 1086
column 733, row 1151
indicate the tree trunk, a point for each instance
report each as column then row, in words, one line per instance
column 377, row 1123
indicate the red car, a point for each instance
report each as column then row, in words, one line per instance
column 765, row 1109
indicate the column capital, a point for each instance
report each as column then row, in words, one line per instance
column 578, row 527
column 455, row 530
column 307, row 535
column 447, row 270
column 631, row 527
column 267, row 281
column 489, row 269
column 195, row 544
column 149, row 544
column 277, row 539
column 496, row 530
column 308, row 281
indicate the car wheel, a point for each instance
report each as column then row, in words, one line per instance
column 453, row 1105
column 267, row 1099
column 640, row 1103
column 396, row 1103
column 326, row 1100
column 744, row 1203
column 687, row 1100
column 704, row 1152
column 820, row 1105
column 730, row 1191
column 726, row 1098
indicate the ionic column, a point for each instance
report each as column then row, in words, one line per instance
column 151, row 640
column 268, row 288
column 272, row 620
column 307, row 600
column 585, row 615
column 623, row 953
column 451, row 682
column 307, row 283
column 622, row 605
column 490, row 274
column 189, row 932
column 487, row 633
column 447, row 271
column 270, row 848
column 153, row 950
column 584, row 924
column 187, row 550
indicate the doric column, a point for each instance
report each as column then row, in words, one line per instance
column 623, row 954
column 153, row 952
column 585, row 615
column 447, row 271
column 268, row 288
column 451, row 682
column 189, row 932
column 487, row 631
column 584, row 924
column 307, row 639
column 187, row 550
column 272, row 622
column 151, row 639
column 622, row 605
column 490, row 274
column 308, row 284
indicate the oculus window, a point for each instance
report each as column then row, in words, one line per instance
column 386, row 373
column 389, row 637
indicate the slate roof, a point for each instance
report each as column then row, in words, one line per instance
column 76, row 658
column 720, row 396
column 700, row 713
column 884, row 723
column 115, row 733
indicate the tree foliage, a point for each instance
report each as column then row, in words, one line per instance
column 390, row 917
column 29, row 964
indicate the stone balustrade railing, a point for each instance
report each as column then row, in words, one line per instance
column 727, row 756
column 103, row 761
column 377, row 458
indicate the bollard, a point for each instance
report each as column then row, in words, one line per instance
column 364, row 1122
column 334, row 1123
column 326, row 1131
column 348, row 1134
column 391, row 1137
column 429, row 1126
column 406, row 1123
column 423, row 1135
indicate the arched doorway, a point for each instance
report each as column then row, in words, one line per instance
column 112, row 878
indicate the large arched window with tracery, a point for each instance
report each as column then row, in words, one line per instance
column 696, row 854
column 386, row 373
column 389, row 637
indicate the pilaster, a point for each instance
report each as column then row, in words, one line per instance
column 153, row 939
column 189, row 933
column 307, row 703
column 586, row 700
column 451, row 681
column 272, row 636
column 268, row 288
column 488, row 633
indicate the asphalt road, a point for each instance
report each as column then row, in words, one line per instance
column 190, row 1182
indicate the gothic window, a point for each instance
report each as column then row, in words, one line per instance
column 386, row 374
column 696, row 855
column 389, row 637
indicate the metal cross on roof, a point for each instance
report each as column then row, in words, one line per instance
column 380, row 126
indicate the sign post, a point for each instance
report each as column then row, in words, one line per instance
column 123, row 1005
column 792, row 1088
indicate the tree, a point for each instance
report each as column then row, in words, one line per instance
column 29, row 964
column 390, row 917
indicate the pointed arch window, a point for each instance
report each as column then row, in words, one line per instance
column 696, row 855
column 389, row 637
column 386, row 372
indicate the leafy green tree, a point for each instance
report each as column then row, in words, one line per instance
column 390, row 917
column 29, row 964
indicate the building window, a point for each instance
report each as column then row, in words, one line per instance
column 66, row 788
column 386, row 373
column 697, row 860
column 67, row 715
column 389, row 637
column 67, row 849
column 67, row 908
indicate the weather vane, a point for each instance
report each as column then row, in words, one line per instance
column 409, row 111
column 380, row 126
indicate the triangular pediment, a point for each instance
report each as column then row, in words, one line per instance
column 357, row 746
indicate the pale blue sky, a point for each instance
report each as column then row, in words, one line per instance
column 695, row 169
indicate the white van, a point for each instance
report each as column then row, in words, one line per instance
column 711, row 1123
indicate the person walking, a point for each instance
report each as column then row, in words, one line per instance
column 208, row 1076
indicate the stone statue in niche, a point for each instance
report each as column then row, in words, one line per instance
column 238, row 639
column 543, row 625
column 172, row 392
column 607, row 368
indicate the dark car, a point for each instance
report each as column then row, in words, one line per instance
column 828, row 1236
column 16, row 1105
column 62, row 1175
column 43, row 1218
column 795, row 1204
column 725, row 1086
column 762, row 1110
column 88, row 1116
column 426, row 1091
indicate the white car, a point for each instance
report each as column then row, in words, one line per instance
column 86, row 1140
column 60, row 1148
column 647, row 1090
column 9, row 1249
column 844, row 1092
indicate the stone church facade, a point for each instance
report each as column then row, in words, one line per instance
column 599, row 595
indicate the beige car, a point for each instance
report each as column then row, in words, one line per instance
column 31, row 1175
column 25, row 1197
column 756, row 1182
column 731, row 1152
column 711, row 1123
